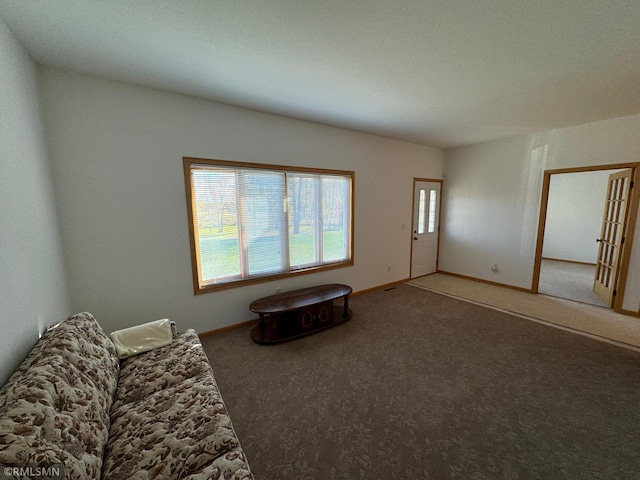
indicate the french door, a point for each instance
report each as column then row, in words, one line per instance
column 611, row 236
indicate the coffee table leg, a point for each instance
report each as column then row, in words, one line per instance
column 261, row 320
column 345, row 313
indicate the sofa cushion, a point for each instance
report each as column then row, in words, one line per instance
column 163, row 367
column 83, row 344
column 50, row 417
column 172, row 433
column 230, row 466
column 55, row 408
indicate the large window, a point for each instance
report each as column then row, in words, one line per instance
column 251, row 222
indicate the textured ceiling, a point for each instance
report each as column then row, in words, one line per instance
column 443, row 73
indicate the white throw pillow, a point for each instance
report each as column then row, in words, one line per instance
column 142, row 338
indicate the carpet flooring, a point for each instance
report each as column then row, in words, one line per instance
column 419, row 385
column 578, row 317
column 572, row 281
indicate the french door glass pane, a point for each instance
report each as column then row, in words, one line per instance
column 335, row 218
column 303, row 220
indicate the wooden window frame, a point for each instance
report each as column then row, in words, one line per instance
column 198, row 286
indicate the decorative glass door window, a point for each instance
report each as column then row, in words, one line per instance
column 421, row 211
column 425, row 209
column 433, row 198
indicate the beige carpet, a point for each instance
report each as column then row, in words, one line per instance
column 596, row 322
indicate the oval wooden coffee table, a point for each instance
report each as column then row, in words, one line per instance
column 290, row 315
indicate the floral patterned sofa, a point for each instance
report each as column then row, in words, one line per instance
column 73, row 404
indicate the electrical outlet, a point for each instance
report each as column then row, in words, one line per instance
column 388, row 268
column 494, row 268
column 278, row 290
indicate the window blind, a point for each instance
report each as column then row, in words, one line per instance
column 250, row 222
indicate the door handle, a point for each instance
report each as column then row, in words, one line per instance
column 598, row 240
column 415, row 238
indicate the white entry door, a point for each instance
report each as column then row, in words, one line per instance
column 426, row 218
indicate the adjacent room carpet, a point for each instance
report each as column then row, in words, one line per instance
column 573, row 281
column 419, row 385
column 579, row 317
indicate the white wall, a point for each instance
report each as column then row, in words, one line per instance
column 574, row 215
column 483, row 213
column 117, row 152
column 489, row 218
column 33, row 291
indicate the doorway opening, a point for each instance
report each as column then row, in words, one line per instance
column 585, row 233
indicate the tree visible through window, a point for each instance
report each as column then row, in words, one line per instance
column 252, row 222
